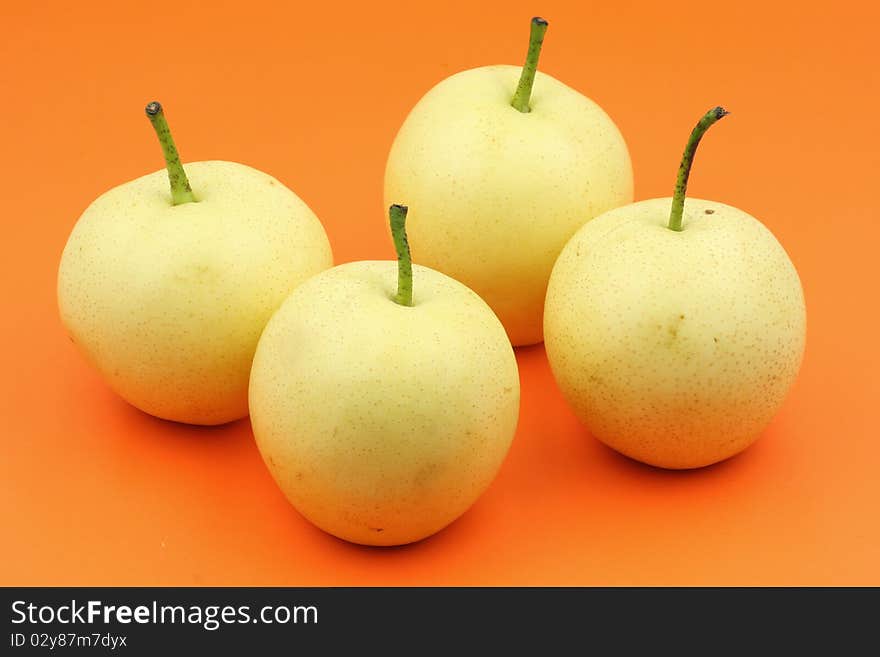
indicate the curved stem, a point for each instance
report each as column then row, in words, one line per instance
column 181, row 192
column 397, row 214
column 684, row 169
column 523, row 93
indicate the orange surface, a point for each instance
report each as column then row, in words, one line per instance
column 94, row 492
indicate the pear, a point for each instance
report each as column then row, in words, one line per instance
column 504, row 164
column 675, row 327
column 384, row 415
column 166, row 292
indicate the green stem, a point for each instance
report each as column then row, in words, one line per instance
column 523, row 93
column 687, row 160
column 404, row 295
column 181, row 192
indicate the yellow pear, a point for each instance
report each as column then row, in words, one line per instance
column 504, row 165
column 675, row 335
column 384, row 416
column 166, row 294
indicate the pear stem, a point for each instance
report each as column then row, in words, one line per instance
column 181, row 192
column 687, row 160
column 523, row 93
column 404, row 295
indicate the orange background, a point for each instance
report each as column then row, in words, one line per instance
column 94, row 492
